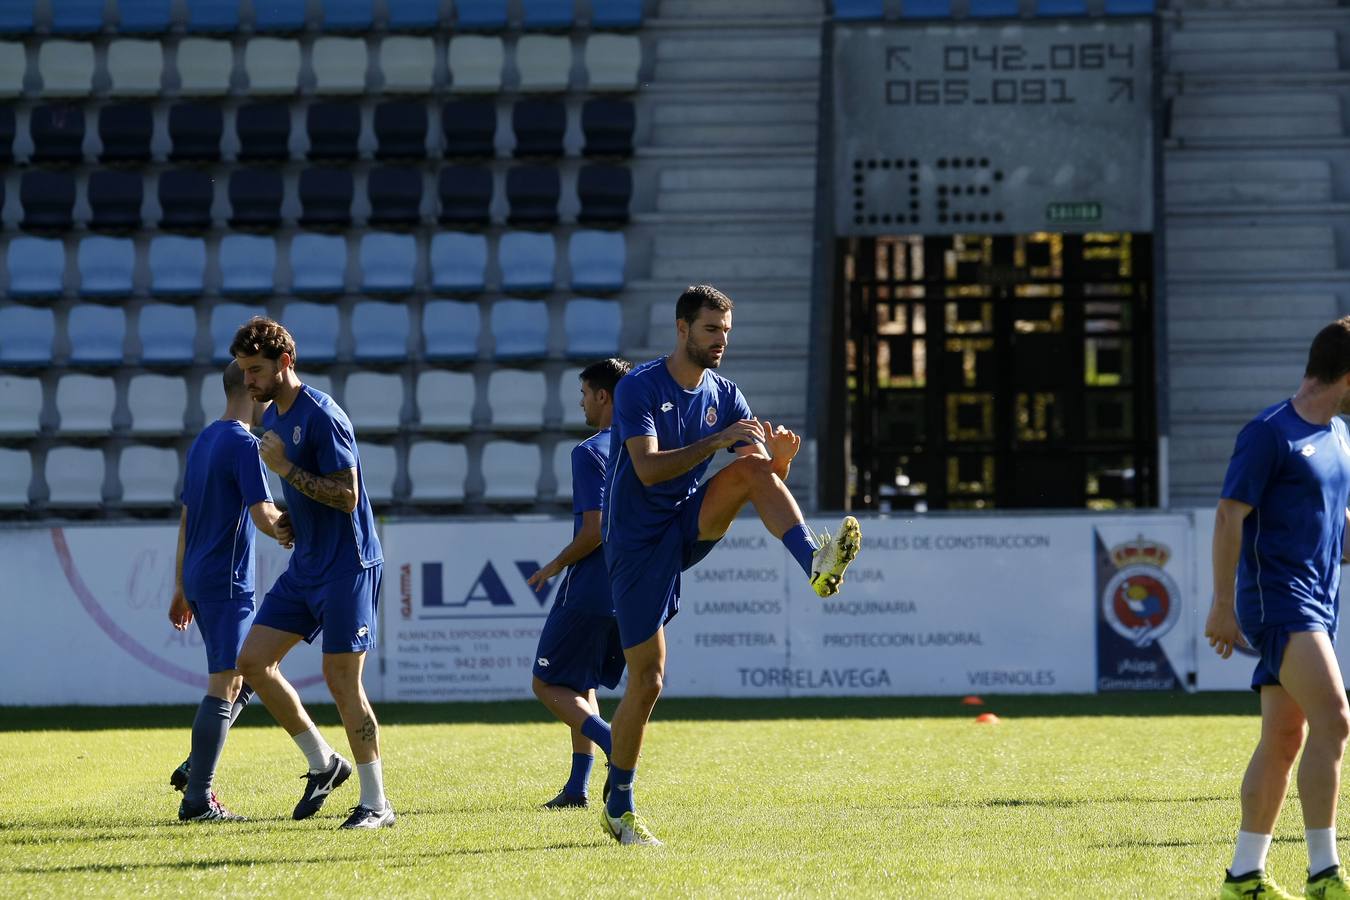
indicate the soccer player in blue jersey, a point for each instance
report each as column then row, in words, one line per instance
column 670, row 416
column 224, row 497
column 1279, row 539
column 332, row 584
column 579, row 646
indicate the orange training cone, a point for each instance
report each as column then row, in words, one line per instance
column 986, row 719
column 972, row 700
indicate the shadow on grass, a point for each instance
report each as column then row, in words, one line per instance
column 95, row 718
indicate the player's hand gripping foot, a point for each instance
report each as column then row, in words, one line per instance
column 565, row 800
column 318, row 785
column 213, row 811
column 629, row 829
column 178, row 779
column 1327, row 885
column 832, row 558
column 365, row 817
column 1253, row 885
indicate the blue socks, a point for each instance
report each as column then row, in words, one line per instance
column 597, row 729
column 209, row 729
column 621, row 793
column 801, row 545
column 581, row 774
column 245, row 695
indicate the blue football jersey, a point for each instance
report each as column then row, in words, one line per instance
column 223, row 477
column 585, row 587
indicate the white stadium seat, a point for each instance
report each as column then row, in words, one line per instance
column 437, row 471
column 516, row 399
column 445, row 400
column 373, row 402
column 510, row 472
column 85, row 404
column 379, row 468
column 16, row 473
column 157, row 404
column 74, row 476
column 20, row 406
column 149, row 475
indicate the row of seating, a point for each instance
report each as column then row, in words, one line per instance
column 455, row 263
column 185, row 198
column 449, row 332
column 402, row 129
column 991, row 9
column 160, row 406
column 280, row 16
column 332, row 65
column 438, row 472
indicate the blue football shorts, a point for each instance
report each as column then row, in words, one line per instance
column 343, row 609
column 223, row 625
column 1270, row 642
column 579, row 650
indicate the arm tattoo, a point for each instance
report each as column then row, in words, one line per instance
column 368, row 729
column 336, row 491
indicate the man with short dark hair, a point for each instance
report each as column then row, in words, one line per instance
column 1279, row 539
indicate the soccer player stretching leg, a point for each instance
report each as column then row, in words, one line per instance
column 1279, row 537
column 333, row 582
column 579, row 646
column 670, row 416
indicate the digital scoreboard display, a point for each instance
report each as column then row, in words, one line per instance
column 993, row 127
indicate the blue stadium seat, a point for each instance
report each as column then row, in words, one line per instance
column 96, row 335
column 36, row 266
column 388, row 262
column 48, row 200
column 194, row 131
column 17, row 17
column 480, row 15
column 1050, row 8
column 449, row 328
column 125, row 131
column 519, row 329
column 57, row 133
column 469, row 127
column 1130, row 7
column 255, row 198
column 543, row 15
column 592, row 328
column 526, row 260
column 993, row 9
column 247, row 264
column 401, row 130
column 144, row 16
column 315, row 329
column 859, row 9
column 608, row 126
column 212, row 16
column 597, row 260
column 926, row 9
column 77, row 16
column 177, row 265
column 414, row 15
column 106, row 266
column 539, row 126
column 318, row 264
column 533, row 192
column 26, row 335
column 349, row 15
column 278, row 15
column 333, row 130
column 616, row 13
column 395, row 195
column 605, row 192
column 380, row 331
column 115, row 200
column 264, row 131
column 185, row 198
column 458, row 262
column 167, row 334
column 465, row 194
column 326, row 198
column 226, row 320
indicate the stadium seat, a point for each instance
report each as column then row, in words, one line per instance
column 76, row 16
column 96, row 335
column 315, row 329
column 547, row 15
column 226, row 320
column 106, row 266
column 348, row 15
column 436, row 471
column 476, row 63
column 144, row 16
column 616, row 13
column 264, row 131
column 185, row 198
column 255, row 198
column 36, row 267
column 195, row 130
column 339, row 65
column 520, row 329
column 401, row 130
column 480, row 15
column 333, row 129
column 16, row 475
column 373, row 401
column 20, row 406
column 177, row 265
column 465, row 194
column 115, row 200
column 135, row 68
column 458, row 262
column 157, row 404
column 204, row 66
column 272, row 66
column 562, row 470
column 469, row 127
column 74, row 476
column 125, row 130
column 279, row 15
column 17, row 18
column 212, row 16
column 1052, row 8
column 925, row 9
column 993, row 9
column 26, row 336
column 597, row 260
column 592, row 328
column 149, row 476
column 379, row 471
column 516, row 399
column 539, row 126
column 408, row 64
column 380, row 332
column 8, row 129
column 247, row 264
column 510, row 472
column 395, row 195
column 613, row 62
column 858, row 9
column 57, row 133
column 526, row 260
column 533, row 192
column 608, row 126
column 388, row 262
column 544, row 62
column 168, row 334
column 445, row 400
column 1130, row 7
column 326, row 198
column 449, row 328
column 48, row 200
column 13, row 66
column 605, row 192
column 414, row 15
column 318, row 264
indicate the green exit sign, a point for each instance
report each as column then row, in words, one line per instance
column 1086, row 211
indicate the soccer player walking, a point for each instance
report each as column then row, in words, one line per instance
column 1279, row 537
column 333, row 582
column 224, row 497
column 670, row 416
column 579, row 647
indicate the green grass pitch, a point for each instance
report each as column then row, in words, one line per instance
column 1113, row 796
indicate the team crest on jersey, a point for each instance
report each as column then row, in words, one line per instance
column 1140, row 601
column 295, row 436
column 711, row 416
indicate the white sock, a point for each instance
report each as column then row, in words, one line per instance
column 372, row 784
column 1250, row 854
column 1321, row 849
column 315, row 748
